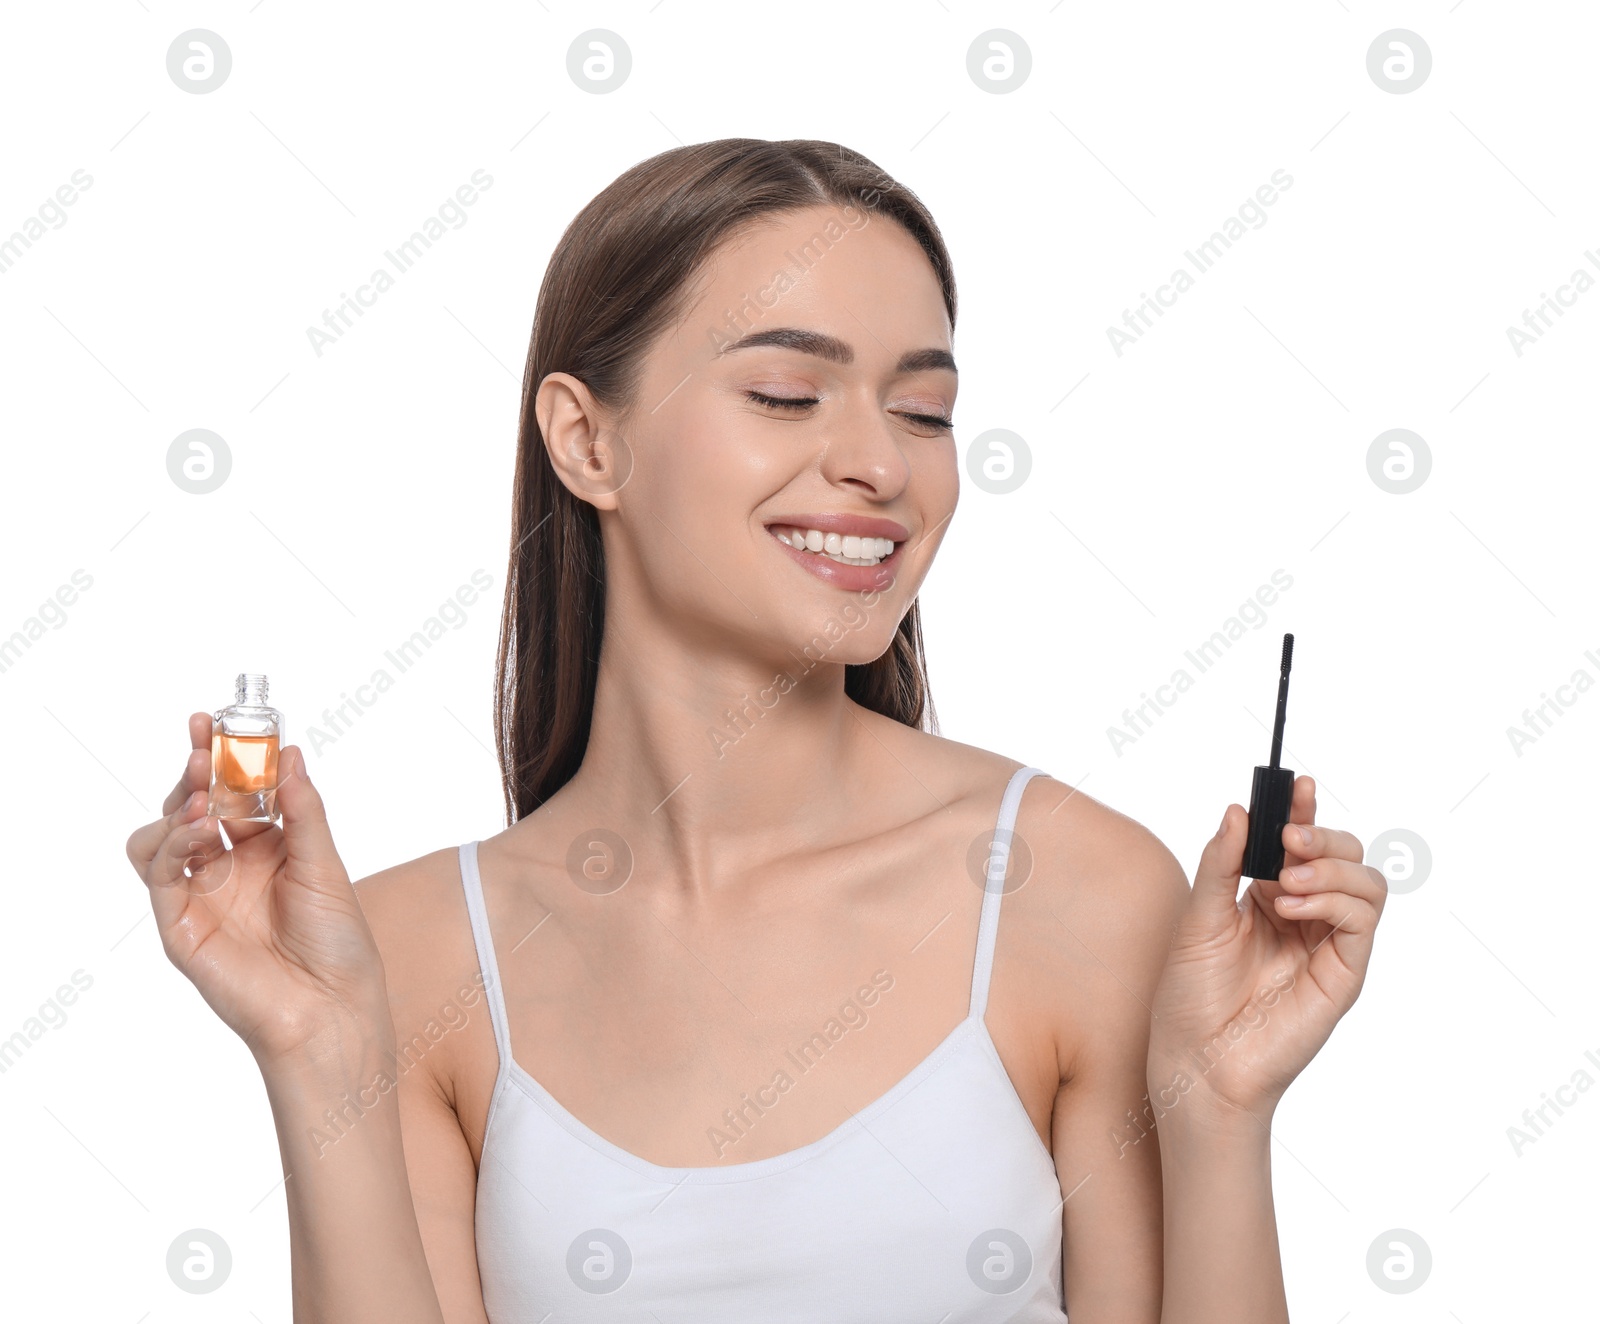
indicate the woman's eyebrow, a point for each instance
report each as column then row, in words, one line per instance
column 835, row 350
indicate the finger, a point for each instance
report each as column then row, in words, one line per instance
column 158, row 850
column 1352, row 924
column 1303, row 803
column 1216, row 877
column 195, row 857
column 196, row 773
column 1303, row 842
column 196, row 776
column 1332, row 876
column 146, row 842
column 306, row 835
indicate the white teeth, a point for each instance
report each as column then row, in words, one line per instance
column 846, row 549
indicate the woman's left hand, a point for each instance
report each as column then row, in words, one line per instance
column 1253, row 986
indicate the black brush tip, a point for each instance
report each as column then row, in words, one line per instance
column 1288, row 654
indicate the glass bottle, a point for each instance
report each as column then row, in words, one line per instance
column 244, row 755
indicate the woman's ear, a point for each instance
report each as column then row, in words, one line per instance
column 591, row 457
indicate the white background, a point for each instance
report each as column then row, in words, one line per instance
column 1168, row 484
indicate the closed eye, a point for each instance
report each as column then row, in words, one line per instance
column 805, row 402
column 782, row 402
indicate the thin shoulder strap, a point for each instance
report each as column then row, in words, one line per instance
column 472, row 885
column 999, row 853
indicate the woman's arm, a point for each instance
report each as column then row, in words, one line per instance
column 1168, row 1214
column 1221, row 1261
column 355, row 1249
column 418, row 918
column 271, row 933
column 1252, row 987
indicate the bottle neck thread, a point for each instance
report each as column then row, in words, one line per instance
column 250, row 689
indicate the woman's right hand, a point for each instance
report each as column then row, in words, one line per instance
column 277, row 944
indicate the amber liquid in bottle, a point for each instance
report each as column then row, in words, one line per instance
column 244, row 755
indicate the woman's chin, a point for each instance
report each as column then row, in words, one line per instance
column 839, row 639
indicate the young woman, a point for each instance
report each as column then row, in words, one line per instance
column 731, row 1024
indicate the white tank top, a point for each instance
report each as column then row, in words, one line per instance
column 935, row 1203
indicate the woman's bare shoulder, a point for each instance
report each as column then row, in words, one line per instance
column 1089, row 865
column 1091, row 895
column 1076, row 819
column 406, row 901
column 418, row 916
column 948, row 769
column 1094, row 920
column 1081, row 841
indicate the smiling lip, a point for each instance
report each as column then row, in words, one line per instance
column 860, row 526
column 853, row 578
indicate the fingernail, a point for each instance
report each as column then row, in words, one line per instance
column 1292, row 902
column 1305, row 835
column 1301, row 872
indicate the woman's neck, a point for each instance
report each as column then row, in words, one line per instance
column 715, row 763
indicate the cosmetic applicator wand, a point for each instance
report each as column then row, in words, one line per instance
column 1271, row 791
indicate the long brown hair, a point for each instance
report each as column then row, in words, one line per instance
column 620, row 275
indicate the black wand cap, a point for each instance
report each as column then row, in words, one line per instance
column 1271, row 791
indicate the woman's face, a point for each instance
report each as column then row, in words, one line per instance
column 801, row 401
